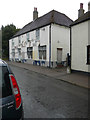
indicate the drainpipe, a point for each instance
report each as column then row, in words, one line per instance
column 69, row 65
column 70, row 44
column 50, row 46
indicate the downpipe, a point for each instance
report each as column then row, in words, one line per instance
column 50, row 46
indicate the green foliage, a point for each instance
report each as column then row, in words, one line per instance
column 7, row 33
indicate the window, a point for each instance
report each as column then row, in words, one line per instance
column 12, row 42
column 30, row 52
column 13, row 52
column 27, row 37
column 88, row 54
column 19, row 51
column 42, row 52
column 37, row 34
column 4, row 82
column 19, row 39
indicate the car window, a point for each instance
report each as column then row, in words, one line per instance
column 5, row 86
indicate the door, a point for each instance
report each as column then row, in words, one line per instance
column 59, row 55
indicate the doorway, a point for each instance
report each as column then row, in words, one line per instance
column 59, row 55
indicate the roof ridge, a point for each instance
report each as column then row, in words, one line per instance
column 52, row 16
column 83, row 18
column 45, row 14
column 53, row 12
column 38, row 18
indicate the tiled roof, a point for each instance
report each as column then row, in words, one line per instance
column 83, row 18
column 51, row 17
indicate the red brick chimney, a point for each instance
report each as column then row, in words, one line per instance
column 81, row 10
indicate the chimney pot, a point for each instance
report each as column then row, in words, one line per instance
column 35, row 9
column 81, row 10
column 81, row 5
column 88, row 6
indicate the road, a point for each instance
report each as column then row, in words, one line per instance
column 47, row 97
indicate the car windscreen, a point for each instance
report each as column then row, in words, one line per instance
column 5, row 86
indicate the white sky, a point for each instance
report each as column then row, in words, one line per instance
column 20, row 12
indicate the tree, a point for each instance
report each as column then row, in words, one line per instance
column 7, row 33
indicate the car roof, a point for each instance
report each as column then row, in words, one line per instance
column 2, row 63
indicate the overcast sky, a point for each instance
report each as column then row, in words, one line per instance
column 20, row 12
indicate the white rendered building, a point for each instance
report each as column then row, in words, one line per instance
column 44, row 41
column 80, row 42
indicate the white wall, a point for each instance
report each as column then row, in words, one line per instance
column 58, row 33
column 24, row 47
column 44, row 39
column 60, row 39
column 79, row 47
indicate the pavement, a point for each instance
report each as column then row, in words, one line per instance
column 78, row 79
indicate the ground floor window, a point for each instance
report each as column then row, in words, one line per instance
column 13, row 52
column 19, row 51
column 88, row 54
column 42, row 52
column 30, row 52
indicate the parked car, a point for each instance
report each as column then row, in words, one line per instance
column 10, row 97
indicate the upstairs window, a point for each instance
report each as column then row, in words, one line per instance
column 88, row 54
column 19, row 51
column 12, row 42
column 27, row 35
column 19, row 39
column 37, row 34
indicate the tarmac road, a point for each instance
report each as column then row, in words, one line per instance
column 46, row 97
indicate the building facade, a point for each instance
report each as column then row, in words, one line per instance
column 44, row 41
column 80, row 43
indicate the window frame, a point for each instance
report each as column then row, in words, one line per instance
column 30, row 52
column 19, row 51
column 19, row 40
column 27, row 36
column 12, row 42
column 42, row 52
column 13, row 52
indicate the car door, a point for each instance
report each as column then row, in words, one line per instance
column 7, row 103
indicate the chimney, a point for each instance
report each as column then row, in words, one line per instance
column 35, row 13
column 88, row 6
column 81, row 10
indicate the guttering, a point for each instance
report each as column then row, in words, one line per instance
column 30, row 30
